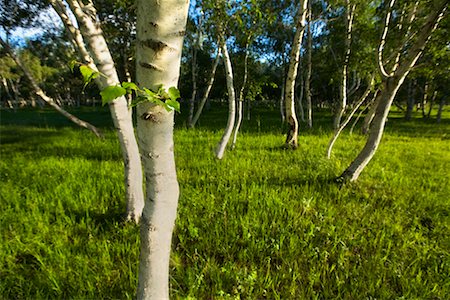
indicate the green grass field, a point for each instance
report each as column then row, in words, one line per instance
column 263, row 223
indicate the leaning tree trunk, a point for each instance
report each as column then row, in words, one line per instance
column 220, row 150
column 347, row 120
column 120, row 112
column 208, row 89
column 390, row 85
column 291, row 118
column 44, row 97
column 241, row 98
column 160, row 29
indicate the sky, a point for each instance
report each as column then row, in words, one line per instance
column 47, row 20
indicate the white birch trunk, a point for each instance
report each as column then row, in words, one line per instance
column 349, row 12
column 120, row 112
column 161, row 27
column 220, row 150
column 240, row 105
column 391, row 84
column 291, row 118
column 208, row 89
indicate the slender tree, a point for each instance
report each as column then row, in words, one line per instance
column 291, row 118
column 160, row 29
column 392, row 81
column 209, row 85
column 94, row 51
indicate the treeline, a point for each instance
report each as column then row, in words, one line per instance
column 259, row 35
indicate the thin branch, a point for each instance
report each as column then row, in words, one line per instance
column 383, row 40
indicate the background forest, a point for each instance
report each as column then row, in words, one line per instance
column 264, row 221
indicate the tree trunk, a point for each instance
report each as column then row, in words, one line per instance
column 342, row 126
column 44, row 97
column 291, row 118
column 208, row 89
column 160, row 30
column 300, row 96
column 120, row 112
column 194, row 86
column 8, row 96
column 308, row 74
column 349, row 12
column 424, row 99
column 410, row 101
column 282, row 109
column 369, row 117
column 440, row 110
column 240, row 105
column 363, row 110
column 390, row 86
column 430, row 107
column 220, row 150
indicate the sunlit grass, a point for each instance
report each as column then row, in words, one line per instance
column 262, row 223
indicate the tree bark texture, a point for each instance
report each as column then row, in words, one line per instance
column 160, row 28
column 390, row 85
column 291, row 118
column 120, row 112
column 207, row 90
column 220, row 150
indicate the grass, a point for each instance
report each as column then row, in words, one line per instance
column 262, row 223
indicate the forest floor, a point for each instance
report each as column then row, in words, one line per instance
column 263, row 223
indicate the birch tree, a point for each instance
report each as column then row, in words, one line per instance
column 93, row 50
column 161, row 27
column 209, row 85
column 404, row 60
column 43, row 96
column 349, row 14
column 291, row 118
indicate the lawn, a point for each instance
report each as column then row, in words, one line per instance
column 263, row 223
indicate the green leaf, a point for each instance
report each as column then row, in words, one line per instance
column 130, row 86
column 72, row 65
column 88, row 74
column 138, row 100
column 150, row 93
column 173, row 105
column 174, row 93
column 112, row 92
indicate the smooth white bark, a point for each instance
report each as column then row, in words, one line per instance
column 349, row 13
column 388, row 91
column 240, row 103
column 291, row 118
column 220, row 150
column 121, row 114
column 160, row 31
